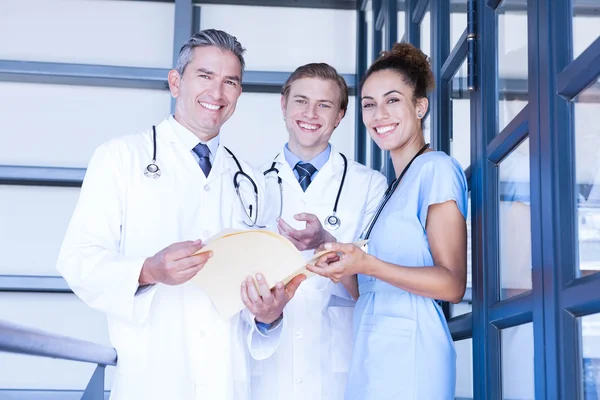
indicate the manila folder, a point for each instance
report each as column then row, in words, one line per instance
column 239, row 254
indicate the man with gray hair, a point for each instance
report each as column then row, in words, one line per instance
column 147, row 202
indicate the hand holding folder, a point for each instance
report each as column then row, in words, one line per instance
column 238, row 254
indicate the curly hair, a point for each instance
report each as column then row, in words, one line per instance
column 410, row 63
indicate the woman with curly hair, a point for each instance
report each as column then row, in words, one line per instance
column 417, row 245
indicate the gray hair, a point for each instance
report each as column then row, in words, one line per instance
column 209, row 37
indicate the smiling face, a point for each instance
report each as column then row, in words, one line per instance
column 389, row 111
column 311, row 111
column 208, row 91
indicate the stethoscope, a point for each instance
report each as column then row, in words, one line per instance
column 332, row 222
column 152, row 171
column 387, row 195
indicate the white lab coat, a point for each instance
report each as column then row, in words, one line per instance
column 171, row 343
column 313, row 358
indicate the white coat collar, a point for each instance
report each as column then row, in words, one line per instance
column 222, row 161
column 334, row 164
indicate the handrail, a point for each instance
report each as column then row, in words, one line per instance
column 23, row 340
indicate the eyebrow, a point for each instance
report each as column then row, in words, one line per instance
column 386, row 94
column 209, row 72
column 306, row 98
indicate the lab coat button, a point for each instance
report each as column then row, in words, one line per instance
column 206, row 234
column 299, row 335
column 206, row 188
column 201, row 334
column 299, row 381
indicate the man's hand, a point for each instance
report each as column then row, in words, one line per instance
column 175, row 264
column 310, row 238
column 267, row 304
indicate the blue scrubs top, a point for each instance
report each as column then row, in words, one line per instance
column 403, row 349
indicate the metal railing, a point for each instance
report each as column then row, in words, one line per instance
column 23, row 340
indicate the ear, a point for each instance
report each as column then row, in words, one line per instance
column 421, row 108
column 339, row 118
column 174, row 81
column 283, row 105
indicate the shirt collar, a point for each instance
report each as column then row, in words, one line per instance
column 318, row 161
column 190, row 140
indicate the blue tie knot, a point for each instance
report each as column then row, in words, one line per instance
column 305, row 171
column 203, row 152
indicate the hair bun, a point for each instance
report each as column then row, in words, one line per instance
column 407, row 52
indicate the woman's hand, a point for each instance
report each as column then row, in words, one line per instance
column 346, row 260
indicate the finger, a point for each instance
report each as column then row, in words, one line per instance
column 326, row 259
column 186, row 249
column 331, row 258
column 253, row 293
column 307, row 217
column 246, row 299
column 189, row 273
column 293, row 285
column 278, row 293
column 284, row 225
column 297, row 244
column 319, row 270
column 264, row 290
column 194, row 260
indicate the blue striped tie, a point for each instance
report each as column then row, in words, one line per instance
column 305, row 171
column 203, row 152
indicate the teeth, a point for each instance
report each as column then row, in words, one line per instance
column 307, row 126
column 210, row 106
column 385, row 129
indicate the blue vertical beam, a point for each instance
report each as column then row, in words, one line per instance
column 440, row 118
column 360, row 133
column 553, row 203
column 484, row 205
column 183, row 30
column 376, row 153
column 413, row 31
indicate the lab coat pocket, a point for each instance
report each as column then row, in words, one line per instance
column 340, row 319
column 388, row 347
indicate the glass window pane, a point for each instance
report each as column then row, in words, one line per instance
column 590, row 348
column 586, row 25
column 460, row 107
column 517, row 362
column 464, row 369
column 587, row 170
column 515, row 223
column 401, row 19
column 512, row 60
column 369, row 20
column 458, row 24
column 426, row 33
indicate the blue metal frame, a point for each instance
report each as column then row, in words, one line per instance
column 510, row 138
column 581, row 72
column 484, row 209
column 440, row 118
column 360, row 132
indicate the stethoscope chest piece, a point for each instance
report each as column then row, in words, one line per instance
column 332, row 222
column 152, row 171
